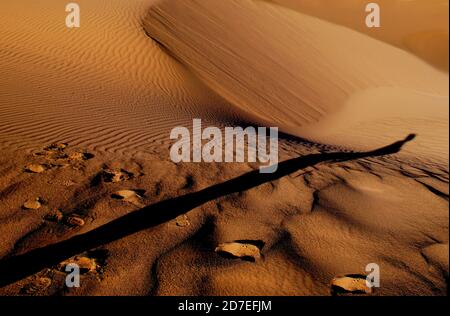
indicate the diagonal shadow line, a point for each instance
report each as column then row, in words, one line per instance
column 20, row 266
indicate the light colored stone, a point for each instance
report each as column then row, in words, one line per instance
column 74, row 220
column 35, row 168
column 126, row 194
column 129, row 196
column 182, row 221
column 32, row 204
column 239, row 250
column 350, row 284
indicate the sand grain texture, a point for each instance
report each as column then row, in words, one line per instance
column 293, row 71
column 85, row 117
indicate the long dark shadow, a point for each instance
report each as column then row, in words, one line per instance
column 17, row 267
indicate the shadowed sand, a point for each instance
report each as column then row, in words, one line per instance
column 17, row 267
column 85, row 118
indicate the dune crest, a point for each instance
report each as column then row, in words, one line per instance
column 288, row 69
column 86, row 175
column 420, row 26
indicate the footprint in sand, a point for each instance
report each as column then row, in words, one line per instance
column 54, row 216
column 57, row 152
column 60, row 165
column 91, row 262
column 249, row 250
column 54, row 151
column 350, row 284
column 116, row 175
column 85, row 264
column 80, row 156
column 32, row 204
column 131, row 196
column 57, row 216
column 56, row 147
column 51, row 155
column 37, row 286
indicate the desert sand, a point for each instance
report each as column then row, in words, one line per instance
column 417, row 26
column 86, row 176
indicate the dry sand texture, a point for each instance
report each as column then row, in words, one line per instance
column 364, row 90
column 109, row 93
column 420, row 27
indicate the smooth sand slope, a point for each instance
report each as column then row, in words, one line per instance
column 291, row 70
column 112, row 201
column 419, row 26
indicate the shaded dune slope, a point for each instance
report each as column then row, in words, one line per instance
column 418, row 26
column 291, row 70
column 107, row 89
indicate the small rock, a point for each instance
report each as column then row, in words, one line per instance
column 74, row 220
column 126, row 194
column 350, row 284
column 33, row 204
column 80, row 156
column 76, row 156
column 182, row 221
column 84, row 263
column 54, row 216
column 239, row 250
column 35, row 168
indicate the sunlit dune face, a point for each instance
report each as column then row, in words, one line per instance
column 291, row 70
column 421, row 26
column 202, row 148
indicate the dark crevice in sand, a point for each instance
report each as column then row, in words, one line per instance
column 17, row 267
column 315, row 200
column 190, row 182
column 433, row 239
column 154, row 277
column 435, row 191
column 9, row 190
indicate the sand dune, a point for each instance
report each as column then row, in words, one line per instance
column 291, row 70
column 107, row 85
column 107, row 196
column 418, row 26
